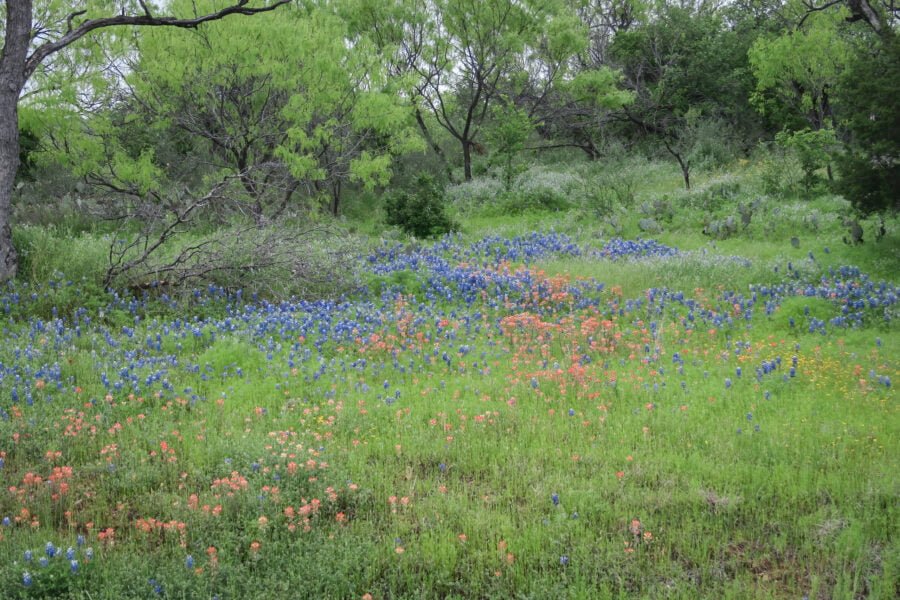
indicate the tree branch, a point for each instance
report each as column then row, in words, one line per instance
column 71, row 18
column 146, row 20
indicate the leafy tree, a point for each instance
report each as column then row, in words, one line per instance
column 684, row 67
column 507, row 135
column 796, row 72
column 866, row 104
column 33, row 36
column 480, row 50
column 580, row 110
column 276, row 104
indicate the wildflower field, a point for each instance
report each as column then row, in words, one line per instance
column 531, row 415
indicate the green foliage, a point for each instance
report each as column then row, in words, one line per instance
column 795, row 70
column 813, row 149
column 599, row 88
column 50, row 253
column 780, row 171
column 867, row 104
column 421, row 212
column 510, row 129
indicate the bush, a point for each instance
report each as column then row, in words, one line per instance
column 781, row 173
column 812, row 148
column 421, row 213
column 716, row 195
column 479, row 192
column 612, row 190
column 532, row 200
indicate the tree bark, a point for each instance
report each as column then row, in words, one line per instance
column 467, row 160
column 9, row 165
column 12, row 80
column 686, row 173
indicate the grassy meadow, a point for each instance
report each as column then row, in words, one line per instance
column 563, row 400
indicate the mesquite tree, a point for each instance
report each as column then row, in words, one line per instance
column 32, row 35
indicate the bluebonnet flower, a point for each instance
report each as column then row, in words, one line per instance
column 555, row 499
column 26, row 579
column 564, row 560
column 73, row 566
column 189, row 562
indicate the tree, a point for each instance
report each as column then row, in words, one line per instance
column 579, row 111
column 866, row 106
column 482, row 50
column 282, row 102
column 686, row 70
column 795, row 73
column 33, row 36
column 510, row 129
column 880, row 16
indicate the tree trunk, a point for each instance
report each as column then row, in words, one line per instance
column 336, row 197
column 12, row 79
column 467, row 160
column 9, row 165
column 434, row 145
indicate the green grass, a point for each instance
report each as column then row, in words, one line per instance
column 534, row 474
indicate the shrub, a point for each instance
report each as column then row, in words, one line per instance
column 532, row 200
column 812, row 148
column 420, row 213
column 476, row 193
column 781, row 172
column 716, row 195
column 611, row 190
